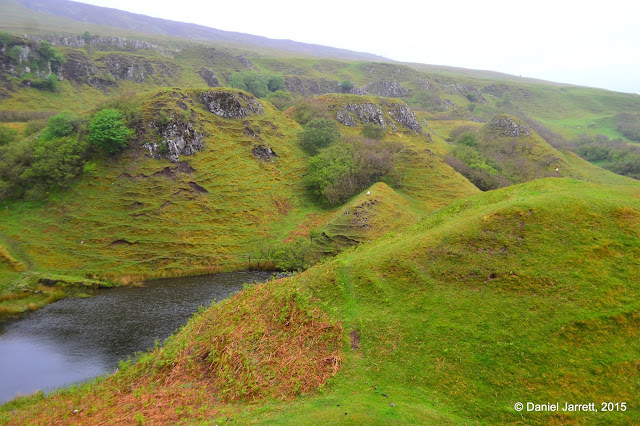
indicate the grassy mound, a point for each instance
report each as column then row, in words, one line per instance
column 525, row 294
column 365, row 218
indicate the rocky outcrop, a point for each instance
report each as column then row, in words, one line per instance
column 307, row 86
column 343, row 117
column 80, row 69
column 103, row 42
column 403, row 115
column 209, row 77
column 367, row 113
column 230, row 104
column 387, row 88
column 263, row 153
column 508, row 126
column 177, row 138
column 133, row 68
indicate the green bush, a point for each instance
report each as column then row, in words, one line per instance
column 281, row 100
column 252, row 82
column 108, row 132
column 342, row 170
column 347, row 86
column 7, row 135
column 318, row 134
column 56, row 162
column 276, row 82
column 60, row 126
column 306, row 110
column 468, row 139
column 371, row 131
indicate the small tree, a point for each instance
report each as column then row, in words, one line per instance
column 59, row 126
column 318, row 134
column 347, row 86
column 108, row 132
column 276, row 82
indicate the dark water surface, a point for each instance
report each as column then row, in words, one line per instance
column 76, row 339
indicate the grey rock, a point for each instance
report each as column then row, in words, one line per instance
column 388, row 88
column 209, row 77
column 509, row 127
column 229, row 104
column 367, row 113
column 263, row 153
column 308, row 86
column 403, row 115
column 178, row 138
column 343, row 117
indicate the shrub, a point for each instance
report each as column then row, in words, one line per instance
column 252, row 82
column 281, row 100
column 56, row 162
column 347, row 86
column 7, row 135
column 318, row 134
column 468, row 139
column 129, row 105
column 306, row 110
column 108, row 132
column 342, row 170
column 276, row 82
column 59, row 126
column 371, row 131
column 5, row 39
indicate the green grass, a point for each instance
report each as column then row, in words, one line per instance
column 476, row 307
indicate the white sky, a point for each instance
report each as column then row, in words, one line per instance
column 580, row 42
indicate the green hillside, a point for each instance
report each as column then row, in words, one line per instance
column 453, row 254
column 477, row 307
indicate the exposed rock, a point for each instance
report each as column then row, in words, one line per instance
column 178, row 138
column 509, row 126
column 80, row 69
column 367, row 113
column 307, row 86
column 137, row 69
column 172, row 172
column 229, row 104
column 403, row 115
column 263, row 153
column 249, row 132
column 209, row 77
column 197, row 188
column 388, row 88
column 343, row 117
column 102, row 42
column 246, row 62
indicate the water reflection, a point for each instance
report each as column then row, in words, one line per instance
column 76, row 339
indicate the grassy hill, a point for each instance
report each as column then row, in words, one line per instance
column 476, row 307
column 431, row 300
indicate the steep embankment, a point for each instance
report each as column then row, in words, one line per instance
column 526, row 294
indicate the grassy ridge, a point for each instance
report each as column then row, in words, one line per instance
column 477, row 307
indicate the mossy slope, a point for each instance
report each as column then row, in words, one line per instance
column 521, row 294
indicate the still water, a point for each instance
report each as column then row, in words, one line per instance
column 76, row 339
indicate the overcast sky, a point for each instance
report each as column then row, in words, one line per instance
column 580, row 42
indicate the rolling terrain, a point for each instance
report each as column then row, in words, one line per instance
column 487, row 265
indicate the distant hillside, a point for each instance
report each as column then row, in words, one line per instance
column 145, row 24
